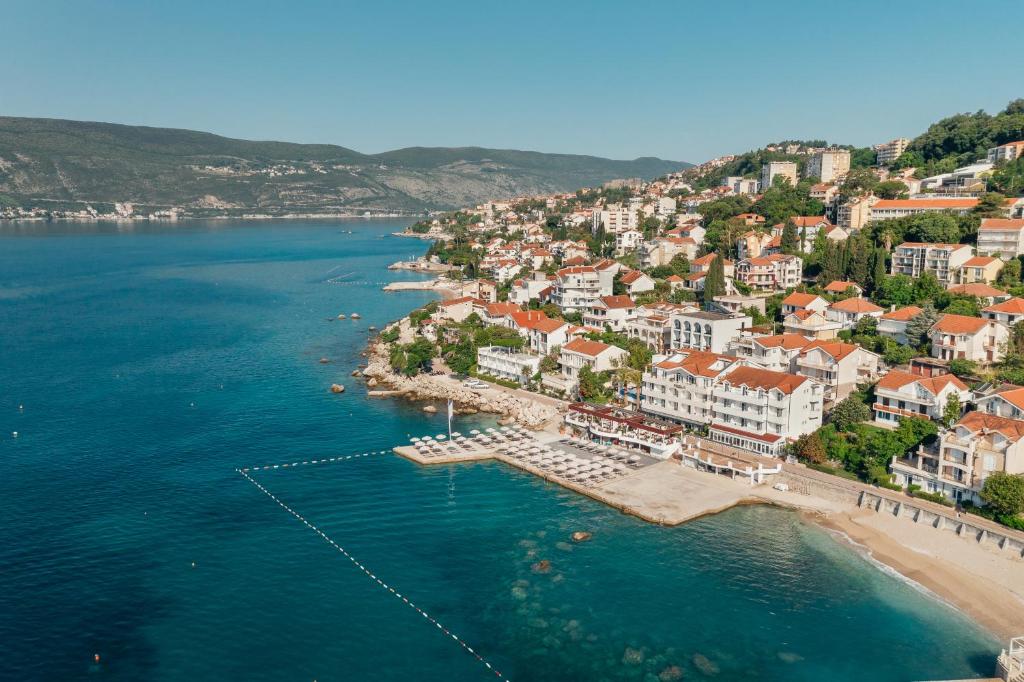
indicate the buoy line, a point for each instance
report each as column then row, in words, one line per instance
column 308, row 462
column 383, row 585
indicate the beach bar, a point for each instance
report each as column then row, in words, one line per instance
column 628, row 428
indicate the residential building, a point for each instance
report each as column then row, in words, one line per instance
column 855, row 213
column 839, row 366
column 628, row 241
column 616, row 218
column 504, row 362
column 958, row 337
column 811, row 324
column 679, row 386
column 1001, row 237
column 741, row 185
column 483, row 289
column 1010, row 151
column 824, row 192
column 703, row 264
column 547, row 334
column 807, row 229
column 885, row 209
column 777, row 272
column 828, row 165
column 456, row 309
column 610, row 312
column 778, row 169
column 1009, row 312
column 838, row 288
column 983, row 292
column 737, row 303
column 662, row 250
column 526, row 289
column 893, row 324
column 1005, row 401
column 580, row 353
column 983, row 269
column 850, row 311
column 637, row 282
column 576, row 288
column 892, row 150
column 799, row 300
column 753, row 244
column 978, row 445
column 902, row 394
column 942, row 260
column 699, row 330
column 760, row 411
column 777, row 353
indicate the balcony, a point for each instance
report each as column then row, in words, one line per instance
column 915, row 464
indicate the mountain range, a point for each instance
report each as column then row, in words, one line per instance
column 55, row 163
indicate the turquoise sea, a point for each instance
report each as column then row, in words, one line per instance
column 141, row 365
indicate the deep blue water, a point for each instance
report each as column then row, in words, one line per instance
column 151, row 362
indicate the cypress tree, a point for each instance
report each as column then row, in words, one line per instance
column 790, row 241
column 714, row 282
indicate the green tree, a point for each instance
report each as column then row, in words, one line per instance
column 1008, row 178
column 592, row 386
column 951, row 413
column 549, row 363
column 809, row 448
column 891, row 189
column 990, row 205
column 963, row 305
column 790, row 239
column 1004, row 493
column 918, row 326
column 714, row 282
column 897, row 290
column 849, row 412
column 963, row 368
column 927, row 287
column 878, row 269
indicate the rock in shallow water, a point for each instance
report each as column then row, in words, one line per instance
column 581, row 536
column 429, row 408
column 337, row 388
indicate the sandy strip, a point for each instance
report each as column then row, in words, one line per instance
column 981, row 582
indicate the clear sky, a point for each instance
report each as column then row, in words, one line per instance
column 677, row 79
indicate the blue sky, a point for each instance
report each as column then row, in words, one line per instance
column 676, row 79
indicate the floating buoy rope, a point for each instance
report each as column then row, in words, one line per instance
column 366, row 571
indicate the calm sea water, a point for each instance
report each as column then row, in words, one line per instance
column 141, row 366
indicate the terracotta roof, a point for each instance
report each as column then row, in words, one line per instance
column 978, row 422
column 574, row 261
column 754, row 377
column 457, row 301
column 856, row 305
column 979, row 261
column 809, row 220
column 763, row 437
column 1013, row 395
column 673, row 278
column 528, row 318
column 549, row 325
column 787, row 341
column 926, row 203
column 1002, row 224
column 837, row 349
column 896, row 380
column 622, row 301
column 803, row 314
column 586, row 347
column 1013, row 306
column 605, row 263
column 931, row 245
column 632, row 276
column 499, row 309
column 699, row 363
column 801, row 300
column 903, row 314
column 839, row 286
column 977, row 289
column 694, row 276
column 959, row 324
column 576, row 270
column 706, row 260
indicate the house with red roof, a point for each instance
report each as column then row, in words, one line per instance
column 812, row 324
column 677, row 386
column 637, row 282
column 839, row 366
column 840, row 287
column 799, row 300
column 850, row 311
column 777, row 352
column 959, row 337
column 980, row 269
column 1008, row 312
column 901, row 394
column 610, row 312
column 1001, row 237
column 893, row 324
column 985, row 292
column 1005, row 401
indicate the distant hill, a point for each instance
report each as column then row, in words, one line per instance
column 53, row 162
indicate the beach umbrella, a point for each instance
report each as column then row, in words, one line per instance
column 441, row 436
column 415, row 439
column 474, row 432
column 428, row 438
column 455, row 434
column 490, row 430
column 634, row 458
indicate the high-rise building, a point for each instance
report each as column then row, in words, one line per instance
column 891, row 150
column 829, row 164
column 774, row 169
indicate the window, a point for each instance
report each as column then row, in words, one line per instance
column 990, row 463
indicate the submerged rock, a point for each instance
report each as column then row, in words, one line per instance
column 542, row 566
column 371, row 382
column 429, row 408
column 356, row 373
column 673, row 672
column 341, row 317
column 324, row 361
column 337, row 388
column 632, row 656
column 790, row 657
column 356, row 316
column 705, row 664
column 581, row 536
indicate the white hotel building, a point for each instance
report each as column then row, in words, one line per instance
column 506, row 363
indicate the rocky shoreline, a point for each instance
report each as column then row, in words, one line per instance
column 528, row 413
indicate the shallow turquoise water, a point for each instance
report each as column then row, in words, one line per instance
column 152, row 362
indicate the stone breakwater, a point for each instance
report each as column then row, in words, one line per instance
column 529, row 413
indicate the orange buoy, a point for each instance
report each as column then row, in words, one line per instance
column 96, row 657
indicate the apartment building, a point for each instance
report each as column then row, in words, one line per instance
column 942, row 260
column 526, row 289
column 679, row 386
column 616, row 218
column 752, row 244
column 777, row 272
column 580, row 353
column 958, row 337
column 855, row 213
column 901, row 394
column 637, row 282
column 978, row 445
column 610, row 312
column 1005, row 401
column 1001, row 237
column 812, row 324
column 662, row 250
column 457, row 309
column 893, row 324
column 628, row 241
column 652, row 324
column 760, row 411
column 777, row 353
column 891, row 150
column 979, row 269
column 839, row 366
column 1010, row 151
column 700, row 330
column 778, row 169
column 886, row 209
column 507, row 363
column 828, row 165
column 546, row 335
column 1009, row 312
column 578, row 287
